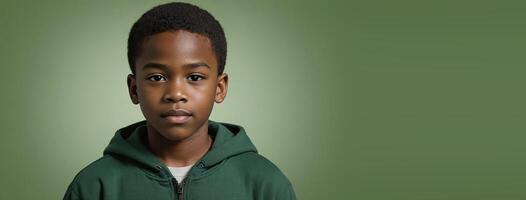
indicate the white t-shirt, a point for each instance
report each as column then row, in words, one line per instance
column 180, row 173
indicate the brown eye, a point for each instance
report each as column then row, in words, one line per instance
column 156, row 78
column 195, row 77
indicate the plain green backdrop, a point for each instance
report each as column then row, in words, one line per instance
column 363, row 100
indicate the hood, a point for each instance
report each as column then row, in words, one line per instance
column 130, row 143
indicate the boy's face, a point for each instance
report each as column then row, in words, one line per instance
column 177, row 70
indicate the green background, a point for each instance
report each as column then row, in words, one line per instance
column 351, row 99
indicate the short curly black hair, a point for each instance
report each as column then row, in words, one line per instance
column 173, row 17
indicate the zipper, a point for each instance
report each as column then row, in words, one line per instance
column 176, row 188
column 179, row 188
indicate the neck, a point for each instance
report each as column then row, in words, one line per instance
column 180, row 153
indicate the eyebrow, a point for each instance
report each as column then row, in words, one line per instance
column 165, row 67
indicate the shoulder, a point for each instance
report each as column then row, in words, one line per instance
column 102, row 167
column 263, row 174
column 258, row 165
column 88, row 181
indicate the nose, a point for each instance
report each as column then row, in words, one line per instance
column 175, row 92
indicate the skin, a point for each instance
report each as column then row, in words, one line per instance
column 181, row 81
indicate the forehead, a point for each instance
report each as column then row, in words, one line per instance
column 177, row 48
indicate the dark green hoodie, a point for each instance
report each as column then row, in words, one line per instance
column 231, row 169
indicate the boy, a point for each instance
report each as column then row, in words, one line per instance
column 177, row 53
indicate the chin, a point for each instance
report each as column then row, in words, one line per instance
column 176, row 133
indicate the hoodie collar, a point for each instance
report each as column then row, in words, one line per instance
column 130, row 143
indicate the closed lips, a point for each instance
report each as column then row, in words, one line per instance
column 179, row 116
column 177, row 112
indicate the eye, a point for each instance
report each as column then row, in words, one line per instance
column 195, row 77
column 156, row 78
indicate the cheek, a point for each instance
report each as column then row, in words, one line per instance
column 204, row 96
column 148, row 97
column 147, row 104
column 200, row 90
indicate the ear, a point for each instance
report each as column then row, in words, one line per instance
column 132, row 88
column 222, row 87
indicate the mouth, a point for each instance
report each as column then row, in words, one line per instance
column 177, row 116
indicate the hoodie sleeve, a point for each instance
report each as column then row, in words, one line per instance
column 271, row 182
column 70, row 195
column 277, row 188
column 274, row 184
column 82, row 190
column 86, row 185
column 286, row 192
